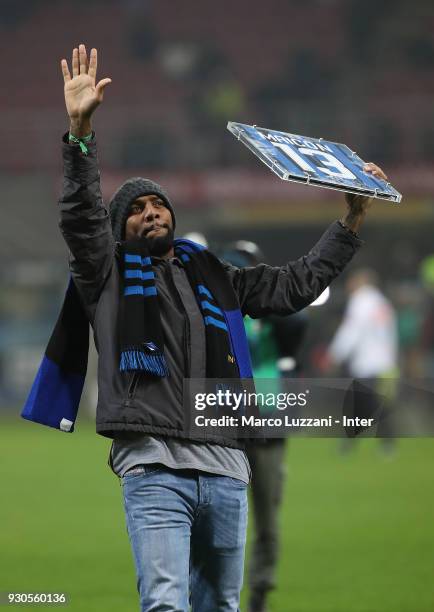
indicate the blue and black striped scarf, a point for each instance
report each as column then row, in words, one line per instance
column 55, row 395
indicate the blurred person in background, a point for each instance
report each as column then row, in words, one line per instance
column 426, row 271
column 366, row 345
column 274, row 344
column 408, row 298
column 185, row 498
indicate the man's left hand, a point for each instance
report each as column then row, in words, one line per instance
column 358, row 205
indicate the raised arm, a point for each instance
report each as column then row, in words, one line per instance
column 84, row 220
column 263, row 290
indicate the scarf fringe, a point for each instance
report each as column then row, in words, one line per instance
column 138, row 360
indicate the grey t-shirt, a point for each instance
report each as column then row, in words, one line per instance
column 177, row 453
column 180, row 454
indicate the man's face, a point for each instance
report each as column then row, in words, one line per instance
column 150, row 218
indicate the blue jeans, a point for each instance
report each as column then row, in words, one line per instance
column 187, row 529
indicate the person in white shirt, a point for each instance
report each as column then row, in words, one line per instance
column 366, row 344
column 366, row 340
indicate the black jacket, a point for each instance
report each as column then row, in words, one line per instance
column 128, row 404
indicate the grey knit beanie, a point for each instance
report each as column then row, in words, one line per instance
column 132, row 189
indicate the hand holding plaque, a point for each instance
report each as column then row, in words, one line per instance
column 317, row 162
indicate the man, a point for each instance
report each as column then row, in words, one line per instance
column 366, row 344
column 366, row 340
column 274, row 344
column 162, row 311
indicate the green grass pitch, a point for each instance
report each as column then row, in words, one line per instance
column 357, row 532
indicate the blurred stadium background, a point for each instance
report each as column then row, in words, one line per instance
column 357, row 535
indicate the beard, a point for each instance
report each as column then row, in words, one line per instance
column 160, row 245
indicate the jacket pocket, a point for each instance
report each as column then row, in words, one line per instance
column 132, row 385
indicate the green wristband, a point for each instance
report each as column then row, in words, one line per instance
column 81, row 142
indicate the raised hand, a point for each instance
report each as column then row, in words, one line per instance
column 361, row 203
column 82, row 96
column 358, row 205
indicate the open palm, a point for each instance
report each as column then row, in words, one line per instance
column 82, row 96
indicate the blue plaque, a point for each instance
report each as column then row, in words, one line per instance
column 313, row 161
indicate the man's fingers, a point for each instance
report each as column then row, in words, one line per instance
column 65, row 70
column 75, row 67
column 83, row 59
column 100, row 88
column 93, row 63
column 375, row 170
column 381, row 173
